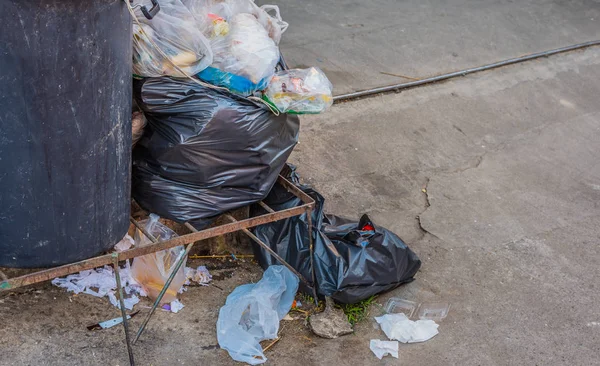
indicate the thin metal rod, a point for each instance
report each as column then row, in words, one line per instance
column 434, row 79
column 182, row 257
column 115, row 257
column 290, row 187
column 312, row 253
column 271, row 251
column 266, row 207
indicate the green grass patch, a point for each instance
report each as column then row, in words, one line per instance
column 359, row 311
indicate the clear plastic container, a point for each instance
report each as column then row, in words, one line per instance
column 397, row 305
column 435, row 311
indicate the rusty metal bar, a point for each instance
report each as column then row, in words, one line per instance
column 106, row 259
column 115, row 257
column 266, row 207
column 296, row 191
column 102, row 260
column 271, row 251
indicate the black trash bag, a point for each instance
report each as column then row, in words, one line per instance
column 353, row 260
column 204, row 151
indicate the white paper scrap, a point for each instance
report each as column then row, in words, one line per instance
column 381, row 348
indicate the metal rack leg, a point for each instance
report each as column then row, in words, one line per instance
column 179, row 262
column 122, row 303
column 312, row 253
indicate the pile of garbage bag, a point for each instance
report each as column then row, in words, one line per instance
column 231, row 44
column 216, row 121
column 205, row 151
column 352, row 260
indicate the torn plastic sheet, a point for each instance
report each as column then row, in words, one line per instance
column 381, row 348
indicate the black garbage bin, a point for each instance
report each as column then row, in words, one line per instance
column 65, row 129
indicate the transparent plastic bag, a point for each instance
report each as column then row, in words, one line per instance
column 175, row 31
column 252, row 313
column 300, row 91
column 152, row 271
column 212, row 15
column 245, row 59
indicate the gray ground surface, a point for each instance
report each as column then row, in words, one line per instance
column 508, row 230
column 355, row 40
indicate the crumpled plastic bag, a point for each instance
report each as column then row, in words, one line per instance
column 151, row 271
column 252, row 313
column 381, row 348
column 213, row 16
column 175, row 31
column 244, row 60
column 300, row 91
column 397, row 326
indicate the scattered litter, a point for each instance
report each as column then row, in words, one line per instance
column 125, row 243
column 128, row 302
column 300, row 91
column 399, row 327
column 151, row 271
column 435, row 311
column 103, row 280
column 176, row 306
column 397, row 305
column 252, row 313
column 199, row 275
column 331, row 323
column 382, row 348
column 110, row 323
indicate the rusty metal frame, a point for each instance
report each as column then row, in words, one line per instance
column 107, row 259
column 307, row 207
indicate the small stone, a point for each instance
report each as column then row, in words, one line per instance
column 331, row 323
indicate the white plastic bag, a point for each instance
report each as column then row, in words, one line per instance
column 300, row 91
column 151, row 271
column 213, row 13
column 175, row 31
column 245, row 59
column 252, row 313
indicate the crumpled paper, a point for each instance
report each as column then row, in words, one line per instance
column 381, row 348
column 199, row 275
column 103, row 280
column 399, row 327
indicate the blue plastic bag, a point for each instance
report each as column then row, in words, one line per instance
column 252, row 313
